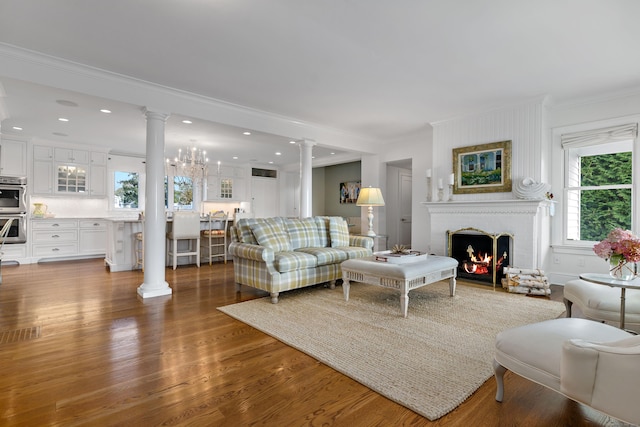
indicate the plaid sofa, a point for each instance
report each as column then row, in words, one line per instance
column 278, row 254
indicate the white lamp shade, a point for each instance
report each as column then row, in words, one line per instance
column 370, row 197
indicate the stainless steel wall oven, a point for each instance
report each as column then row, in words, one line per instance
column 18, row 230
column 13, row 194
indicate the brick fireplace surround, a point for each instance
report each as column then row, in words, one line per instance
column 527, row 220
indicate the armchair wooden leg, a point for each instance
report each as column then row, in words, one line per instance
column 499, row 371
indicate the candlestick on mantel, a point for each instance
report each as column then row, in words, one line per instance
column 428, row 178
column 428, row 173
column 452, row 179
column 440, row 186
column 450, row 192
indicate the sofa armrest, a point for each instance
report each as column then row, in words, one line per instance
column 252, row 252
column 361, row 241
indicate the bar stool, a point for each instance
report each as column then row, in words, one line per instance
column 186, row 226
column 139, row 250
column 215, row 236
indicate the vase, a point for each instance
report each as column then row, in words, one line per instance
column 621, row 269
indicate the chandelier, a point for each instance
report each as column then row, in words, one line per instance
column 191, row 163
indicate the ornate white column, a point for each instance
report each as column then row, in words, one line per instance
column 306, row 166
column 155, row 221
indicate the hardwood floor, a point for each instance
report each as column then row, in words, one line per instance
column 106, row 357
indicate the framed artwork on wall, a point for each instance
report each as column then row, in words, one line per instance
column 484, row 168
column 349, row 191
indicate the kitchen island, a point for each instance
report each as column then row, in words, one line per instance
column 121, row 240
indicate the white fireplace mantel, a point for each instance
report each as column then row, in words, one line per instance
column 527, row 220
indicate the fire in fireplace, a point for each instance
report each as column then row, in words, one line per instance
column 481, row 256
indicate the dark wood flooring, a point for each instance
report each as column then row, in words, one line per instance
column 78, row 347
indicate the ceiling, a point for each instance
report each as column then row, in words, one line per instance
column 382, row 70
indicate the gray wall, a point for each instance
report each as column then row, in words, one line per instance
column 330, row 177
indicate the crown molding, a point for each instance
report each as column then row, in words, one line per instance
column 47, row 70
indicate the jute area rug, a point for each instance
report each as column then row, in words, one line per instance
column 429, row 362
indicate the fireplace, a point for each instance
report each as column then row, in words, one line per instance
column 481, row 255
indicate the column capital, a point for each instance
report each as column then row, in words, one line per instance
column 307, row 143
column 152, row 113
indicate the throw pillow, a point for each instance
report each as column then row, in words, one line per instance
column 322, row 223
column 271, row 235
column 339, row 232
column 245, row 235
column 303, row 233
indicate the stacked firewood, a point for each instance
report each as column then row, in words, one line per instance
column 526, row 281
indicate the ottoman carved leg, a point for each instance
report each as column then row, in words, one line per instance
column 345, row 288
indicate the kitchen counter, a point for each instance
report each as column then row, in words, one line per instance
column 121, row 233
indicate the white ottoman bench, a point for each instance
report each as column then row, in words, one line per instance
column 601, row 302
column 402, row 277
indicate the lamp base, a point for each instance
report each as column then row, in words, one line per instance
column 370, row 232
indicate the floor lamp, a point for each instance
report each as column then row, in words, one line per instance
column 370, row 197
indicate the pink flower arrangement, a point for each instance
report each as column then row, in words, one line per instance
column 619, row 246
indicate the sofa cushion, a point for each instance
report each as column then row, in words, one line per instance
column 326, row 256
column 271, row 235
column 292, row 261
column 303, row 233
column 356, row 252
column 322, row 222
column 339, row 232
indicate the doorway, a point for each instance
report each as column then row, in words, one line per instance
column 398, row 203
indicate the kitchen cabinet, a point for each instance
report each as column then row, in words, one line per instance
column 56, row 238
column 227, row 185
column 70, row 155
column 71, row 178
column 42, row 170
column 67, row 171
column 98, row 174
column 13, row 157
column 92, row 237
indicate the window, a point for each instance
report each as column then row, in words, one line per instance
column 598, row 182
column 126, row 186
column 182, row 193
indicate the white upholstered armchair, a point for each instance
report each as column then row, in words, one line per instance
column 589, row 362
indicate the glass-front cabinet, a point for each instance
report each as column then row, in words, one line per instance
column 71, row 179
column 227, row 185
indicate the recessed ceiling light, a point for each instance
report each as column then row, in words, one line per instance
column 270, row 163
column 246, row 133
column 278, row 153
column 62, row 119
column 60, row 134
column 292, row 142
column 17, row 128
column 235, row 157
column 332, row 153
column 66, row 103
column 187, row 122
column 104, row 110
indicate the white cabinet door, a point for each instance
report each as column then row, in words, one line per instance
column 68, row 155
column 42, row 177
column 13, row 158
column 93, row 237
column 97, row 180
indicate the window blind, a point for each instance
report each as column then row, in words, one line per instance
column 599, row 136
